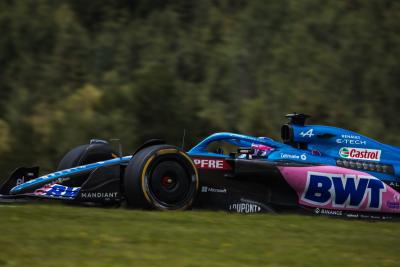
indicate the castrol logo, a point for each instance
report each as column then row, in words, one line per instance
column 360, row 153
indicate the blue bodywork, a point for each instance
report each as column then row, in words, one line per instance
column 279, row 153
column 321, row 146
column 306, row 144
column 330, row 141
column 50, row 178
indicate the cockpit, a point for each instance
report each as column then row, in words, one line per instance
column 239, row 147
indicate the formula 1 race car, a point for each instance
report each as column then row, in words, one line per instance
column 321, row 170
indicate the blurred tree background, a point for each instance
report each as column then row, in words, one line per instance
column 71, row 70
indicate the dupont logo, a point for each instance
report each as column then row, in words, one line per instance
column 360, row 153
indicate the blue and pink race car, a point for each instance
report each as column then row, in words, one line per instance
column 319, row 170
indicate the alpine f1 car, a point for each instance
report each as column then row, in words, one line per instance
column 316, row 169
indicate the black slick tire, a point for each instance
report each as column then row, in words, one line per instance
column 161, row 177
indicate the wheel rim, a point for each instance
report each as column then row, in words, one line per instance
column 170, row 183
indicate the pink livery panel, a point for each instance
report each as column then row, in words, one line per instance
column 338, row 188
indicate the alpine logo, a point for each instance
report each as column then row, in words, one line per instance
column 360, row 153
column 309, row 133
column 343, row 191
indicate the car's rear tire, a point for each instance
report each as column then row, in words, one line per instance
column 82, row 155
column 161, row 177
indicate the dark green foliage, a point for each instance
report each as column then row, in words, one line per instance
column 139, row 69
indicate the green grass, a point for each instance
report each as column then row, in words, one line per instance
column 53, row 235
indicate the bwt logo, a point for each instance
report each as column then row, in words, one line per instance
column 343, row 191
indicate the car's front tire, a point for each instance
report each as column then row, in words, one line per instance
column 161, row 177
column 82, row 155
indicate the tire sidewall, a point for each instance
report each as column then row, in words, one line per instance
column 136, row 178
